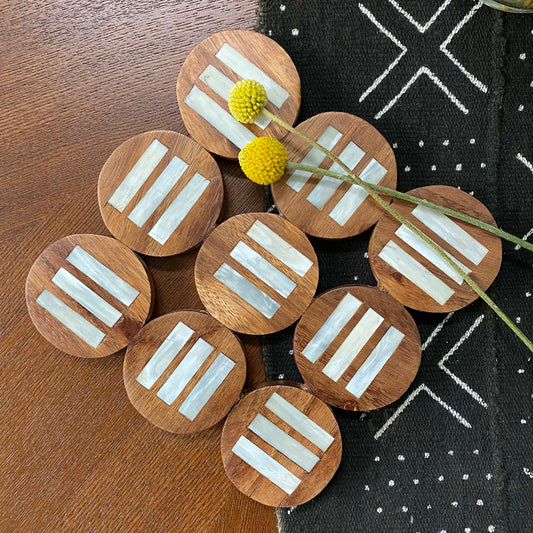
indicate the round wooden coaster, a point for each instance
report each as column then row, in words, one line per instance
column 184, row 371
column 208, row 75
column 413, row 273
column 327, row 207
column 357, row 348
column 256, row 273
column 281, row 445
column 88, row 295
column 160, row 193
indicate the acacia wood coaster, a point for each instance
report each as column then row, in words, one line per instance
column 357, row 348
column 88, row 295
column 184, row 371
column 160, row 193
column 256, row 273
column 327, row 207
column 208, row 75
column 281, row 445
column 408, row 269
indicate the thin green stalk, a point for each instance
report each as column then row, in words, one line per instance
column 358, row 181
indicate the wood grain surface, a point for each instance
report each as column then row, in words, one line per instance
column 78, row 79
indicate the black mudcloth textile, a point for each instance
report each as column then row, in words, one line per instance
column 450, row 85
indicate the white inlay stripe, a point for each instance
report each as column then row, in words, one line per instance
column 452, row 233
column 373, row 173
column 265, row 465
column 158, row 191
column 415, row 242
column 264, row 270
column 102, row 275
column 247, row 70
column 375, row 362
column 416, row 273
column 179, row 209
column 279, row 248
column 184, row 372
column 313, row 158
column 299, row 421
column 327, row 186
column 333, row 325
column 140, row 172
column 222, row 86
column 283, row 442
column 246, row 290
column 219, row 118
column 164, row 355
column 207, row 385
column 86, row 297
column 71, row 319
column 352, row 345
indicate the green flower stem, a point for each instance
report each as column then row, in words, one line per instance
column 420, row 201
column 358, row 181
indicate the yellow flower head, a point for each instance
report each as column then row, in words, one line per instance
column 263, row 160
column 246, row 100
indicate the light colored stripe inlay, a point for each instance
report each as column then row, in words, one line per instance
column 264, row 270
column 86, row 297
column 247, row 70
column 246, row 290
column 164, row 355
column 158, row 191
column 333, row 325
column 352, row 345
column 102, row 275
column 219, row 118
column 207, row 385
column 415, row 242
column 416, row 273
column 184, row 372
column 300, row 422
column 179, row 209
column 140, row 172
column 222, row 85
column 70, row 319
column 374, row 172
column 452, row 233
column 313, row 158
column 283, row 442
column 327, row 186
column 265, row 465
column 375, row 362
column 279, row 248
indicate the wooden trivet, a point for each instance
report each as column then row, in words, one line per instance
column 357, row 348
column 327, row 207
column 184, row 371
column 88, row 295
column 256, row 273
column 281, row 445
column 208, row 75
column 409, row 270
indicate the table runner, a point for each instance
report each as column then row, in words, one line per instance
column 450, row 85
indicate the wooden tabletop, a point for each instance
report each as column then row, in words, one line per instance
column 78, row 79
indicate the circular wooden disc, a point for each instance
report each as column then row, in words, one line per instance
column 184, row 371
column 88, row 295
column 209, row 73
column 281, row 445
column 327, row 207
column 357, row 348
column 160, row 193
column 412, row 274
column 256, row 273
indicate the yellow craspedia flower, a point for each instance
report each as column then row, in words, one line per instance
column 246, row 100
column 263, row 160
